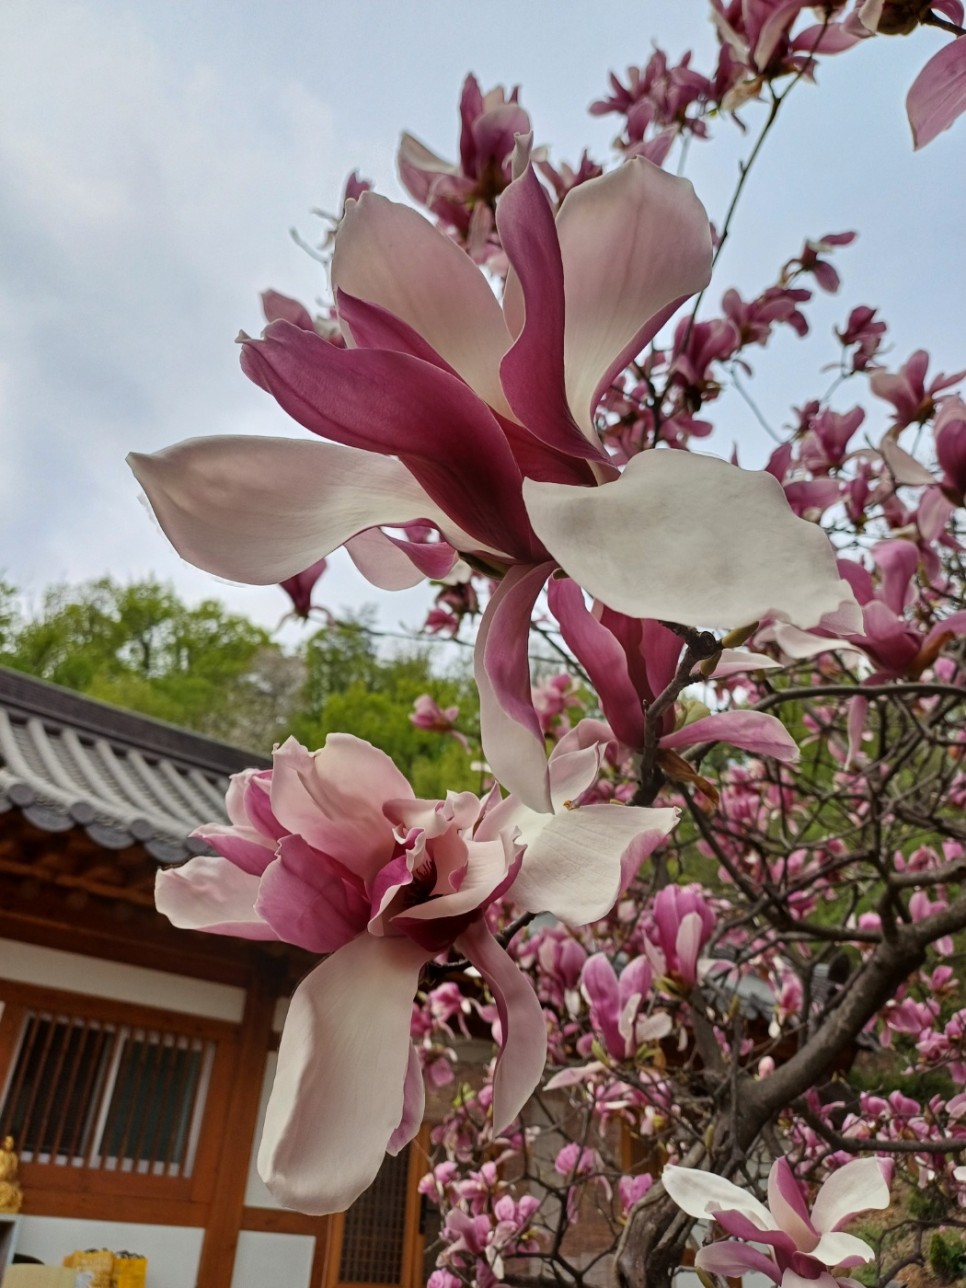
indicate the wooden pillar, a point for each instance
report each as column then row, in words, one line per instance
column 228, row 1198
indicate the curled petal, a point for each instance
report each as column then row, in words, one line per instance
column 338, row 1097
column 259, row 510
column 509, row 727
column 753, row 731
column 732, row 1258
column 414, row 1105
column 393, row 564
column 683, row 565
column 209, row 893
column 524, row 1054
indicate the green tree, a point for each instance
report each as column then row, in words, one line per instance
column 140, row 647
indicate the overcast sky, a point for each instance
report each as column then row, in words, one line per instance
column 154, row 157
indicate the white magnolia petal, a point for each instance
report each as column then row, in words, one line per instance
column 905, row 469
column 338, row 1096
column 388, row 254
column 791, row 1279
column 209, row 893
column 856, row 1187
column 798, row 644
column 259, row 510
column 733, row 661
column 701, row 1194
column 572, row 864
column 835, row 1248
column 632, row 242
column 686, row 563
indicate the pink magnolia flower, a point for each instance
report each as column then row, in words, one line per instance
column 428, row 714
column 331, row 851
column 619, row 1005
column 299, row 588
column 479, row 420
column 682, row 924
column 805, row 1246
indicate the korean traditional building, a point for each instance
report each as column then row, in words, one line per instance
column 136, row 1059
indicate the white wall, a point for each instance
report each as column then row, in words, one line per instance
column 272, row 1261
column 52, row 968
column 172, row 1251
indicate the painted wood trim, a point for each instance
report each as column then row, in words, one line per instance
column 105, row 1008
column 228, row 1198
column 266, row 1220
column 91, row 1206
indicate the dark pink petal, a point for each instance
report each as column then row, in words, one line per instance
column 753, row 731
column 602, row 657
column 339, row 1093
column 394, row 404
column 521, row 1062
column 532, row 372
column 278, row 307
column 299, row 588
column 898, row 561
column 513, row 741
column 818, row 39
column 247, row 848
column 598, row 981
column 773, row 29
column 307, row 901
column 938, row 94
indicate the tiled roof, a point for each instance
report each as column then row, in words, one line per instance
column 67, row 761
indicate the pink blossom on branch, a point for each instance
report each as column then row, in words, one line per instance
column 805, row 1246
column 479, row 421
column 331, row 851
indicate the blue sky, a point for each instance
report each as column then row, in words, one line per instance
column 155, row 156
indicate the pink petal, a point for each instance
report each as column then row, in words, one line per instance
column 276, row 306
column 787, row 1204
column 414, row 1105
column 634, row 243
column 683, row 566
column 857, row 1187
column 532, row 372
column 731, row 1258
column 521, row 1062
column 389, row 255
column 489, row 863
column 772, row 30
column 394, row 404
column 510, row 730
column 753, row 731
column 263, row 509
column 938, row 94
column 339, row 1092
column 905, row 469
column 246, row 847
column 601, row 655
column 306, row 902
column 208, row 893
column 334, row 798
column 393, row 564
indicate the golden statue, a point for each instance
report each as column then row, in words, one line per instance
column 11, row 1192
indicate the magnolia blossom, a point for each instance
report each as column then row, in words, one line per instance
column 805, row 1246
column 450, row 410
column 331, row 851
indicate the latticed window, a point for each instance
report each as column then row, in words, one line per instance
column 106, row 1095
column 105, row 1086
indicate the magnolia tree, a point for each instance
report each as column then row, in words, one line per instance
column 708, row 901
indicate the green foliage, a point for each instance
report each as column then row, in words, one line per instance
column 351, row 687
column 947, row 1256
column 140, row 647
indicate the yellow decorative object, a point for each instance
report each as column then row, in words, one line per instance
column 99, row 1262
column 130, row 1271
column 11, row 1192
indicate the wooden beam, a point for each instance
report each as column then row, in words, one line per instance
column 227, row 1205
